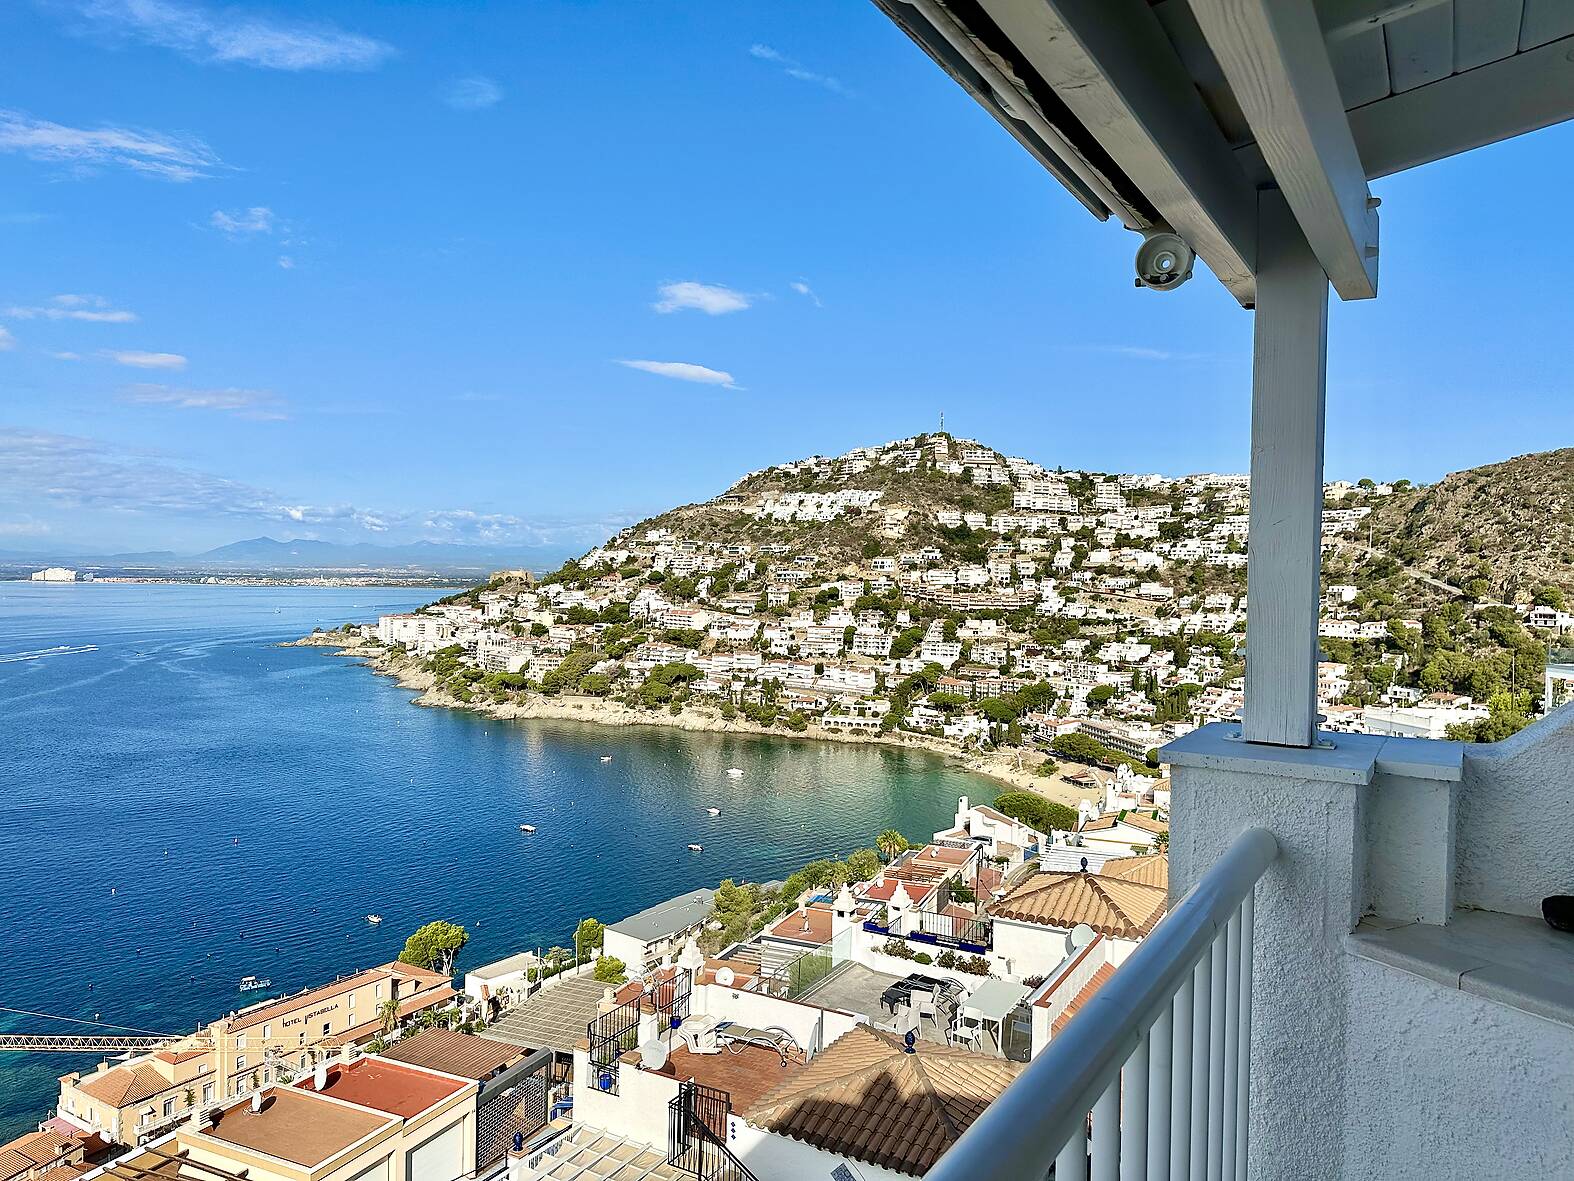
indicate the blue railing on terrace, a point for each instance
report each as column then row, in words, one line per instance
column 1150, row 1079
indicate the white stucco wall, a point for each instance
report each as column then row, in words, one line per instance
column 639, row 1109
column 1031, row 949
column 1445, row 1084
column 1516, row 818
column 780, row 1158
column 813, row 1028
column 1359, row 1069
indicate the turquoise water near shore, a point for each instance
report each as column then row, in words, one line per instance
column 190, row 803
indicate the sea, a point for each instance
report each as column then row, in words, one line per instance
column 184, row 802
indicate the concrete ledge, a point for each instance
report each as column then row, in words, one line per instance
column 1510, row 959
column 1218, row 746
column 1422, row 758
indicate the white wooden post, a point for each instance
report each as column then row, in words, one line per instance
column 1289, row 372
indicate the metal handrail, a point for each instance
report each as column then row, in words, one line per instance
column 1020, row 1134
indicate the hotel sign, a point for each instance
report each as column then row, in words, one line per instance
column 311, row 1014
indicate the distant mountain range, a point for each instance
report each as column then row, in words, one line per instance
column 267, row 553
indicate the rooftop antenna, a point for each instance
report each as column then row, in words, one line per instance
column 942, row 422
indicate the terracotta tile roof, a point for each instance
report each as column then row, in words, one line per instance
column 452, row 1052
column 1133, row 819
column 64, row 1172
column 124, row 1085
column 1095, row 982
column 1151, row 869
column 14, row 1163
column 865, row 1097
column 42, row 1146
column 1109, row 905
column 792, row 926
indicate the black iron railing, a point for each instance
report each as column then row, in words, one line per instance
column 610, row 1034
column 697, row 1135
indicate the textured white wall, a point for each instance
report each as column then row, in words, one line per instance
column 1516, row 818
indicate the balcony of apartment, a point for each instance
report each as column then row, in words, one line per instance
column 1355, row 978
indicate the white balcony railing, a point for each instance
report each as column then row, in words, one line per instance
column 1159, row 1058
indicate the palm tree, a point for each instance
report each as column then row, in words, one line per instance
column 890, row 843
column 388, row 1012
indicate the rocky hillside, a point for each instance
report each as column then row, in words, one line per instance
column 1500, row 531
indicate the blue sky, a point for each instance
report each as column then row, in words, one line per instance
column 383, row 279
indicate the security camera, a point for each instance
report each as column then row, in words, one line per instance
column 1164, row 261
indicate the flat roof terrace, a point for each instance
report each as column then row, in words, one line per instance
column 296, row 1126
column 386, row 1086
column 746, row 1075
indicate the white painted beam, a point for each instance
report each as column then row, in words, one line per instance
column 1289, row 377
column 1276, row 62
column 1114, row 67
column 1346, row 18
column 1493, row 102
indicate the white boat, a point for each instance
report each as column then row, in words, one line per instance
column 735, row 772
column 714, row 811
column 252, row 983
column 527, row 828
column 696, row 848
column 374, row 919
column 606, row 758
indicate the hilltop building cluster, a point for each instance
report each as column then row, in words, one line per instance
column 937, row 587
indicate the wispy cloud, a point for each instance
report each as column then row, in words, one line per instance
column 259, row 219
column 168, row 157
column 473, row 94
column 7, row 341
column 806, row 291
column 701, row 297
column 65, row 355
column 263, row 405
column 474, row 396
column 1143, row 352
column 141, row 360
column 794, row 69
column 684, row 371
column 93, row 309
column 286, row 262
column 77, row 473
column 231, row 35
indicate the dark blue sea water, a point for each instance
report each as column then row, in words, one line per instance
column 190, row 803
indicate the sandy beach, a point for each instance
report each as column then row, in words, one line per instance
column 1013, row 767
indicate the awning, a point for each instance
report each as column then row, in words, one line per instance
column 995, row 999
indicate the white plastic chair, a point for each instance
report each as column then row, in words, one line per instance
column 969, row 1030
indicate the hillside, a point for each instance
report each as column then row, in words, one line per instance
column 1497, row 532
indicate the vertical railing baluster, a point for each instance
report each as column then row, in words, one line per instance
column 1243, row 1067
column 1232, row 1040
column 1216, row 1061
column 1071, row 1163
column 1134, row 1114
column 1161, row 1051
column 1106, row 1133
column 1180, row 1083
column 1201, row 1012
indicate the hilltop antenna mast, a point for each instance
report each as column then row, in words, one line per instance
column 942, row 422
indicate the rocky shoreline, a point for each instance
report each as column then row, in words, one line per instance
column 1013, row 767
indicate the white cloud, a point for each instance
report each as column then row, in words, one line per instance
column 256, row 404
column 168, row 157
column 794, row 70
column 806, row 291
column 259, row 219
column 286, row 262
column 1145, row 353
column 66, row 356
column 7, row 341
column 232, row 35
column 92, row 308
column 702, row 297
column 473, row 94
column 141, row 360
column 684, row 371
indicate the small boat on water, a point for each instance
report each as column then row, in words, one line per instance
column 374, row 919
column 734, row 772
column 252, row 983
column 696, row 848
column 606, row 758
column 527, row 828
column 714, row 811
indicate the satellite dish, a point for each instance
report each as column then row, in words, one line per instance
column 725, row 977
column 1082, row 935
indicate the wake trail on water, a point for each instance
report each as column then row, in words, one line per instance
column 41, row 653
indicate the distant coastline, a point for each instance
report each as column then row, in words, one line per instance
column 1000, row 766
